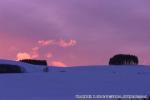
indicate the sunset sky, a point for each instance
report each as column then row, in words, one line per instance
column 74, row 32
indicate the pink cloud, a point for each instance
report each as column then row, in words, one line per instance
column 35, row 52
column 49, row 55
column 62, row 43
column 69, row 43
column 35, row 49
column 34, row 55
column 42, row 45
column 23, row 55
column 28, row 55
column 58, row 63
column 46, row 42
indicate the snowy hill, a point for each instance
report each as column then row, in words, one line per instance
column 28, row 67
column 65, row 83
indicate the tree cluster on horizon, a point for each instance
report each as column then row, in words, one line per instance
column 124, row 59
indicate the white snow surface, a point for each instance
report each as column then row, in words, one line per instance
column 65, row 83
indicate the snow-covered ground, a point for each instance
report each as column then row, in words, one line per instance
column 65, row 83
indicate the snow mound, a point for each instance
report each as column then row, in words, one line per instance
column 25, row 66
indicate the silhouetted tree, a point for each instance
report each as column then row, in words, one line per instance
column 35, row 62
column 123, row 59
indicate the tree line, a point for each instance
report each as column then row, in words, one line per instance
column 124, row 59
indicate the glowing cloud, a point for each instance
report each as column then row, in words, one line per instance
column 49, row 55
column 23, row 55
column 69, row 43
column 61, row 43
column 34, row 55
column 35, row 49
column 58, row 63
column 46, row 42
column 42, row 44
column 35, row 52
